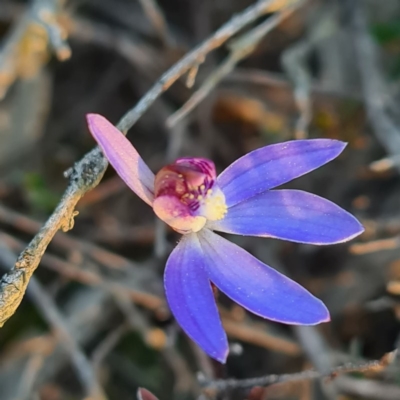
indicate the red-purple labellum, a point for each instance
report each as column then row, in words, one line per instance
column 186, row 194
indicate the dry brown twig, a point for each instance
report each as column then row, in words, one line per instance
column 260, row 77
column 240, row 48
column 256, row 335
column 87, row 172
column 375, row 245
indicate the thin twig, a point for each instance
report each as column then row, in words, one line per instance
column 385, row 164
column 240, row 49
column 87, row 172
column 259, row 77
column 227, row 384
column 251, row 333
column 375, row 245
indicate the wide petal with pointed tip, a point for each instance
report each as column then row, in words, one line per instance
column 256, row 286
column 274, row 165
column 122, row 156
column 191, row 298
column 290, row 215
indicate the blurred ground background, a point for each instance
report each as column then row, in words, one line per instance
column 330, row 70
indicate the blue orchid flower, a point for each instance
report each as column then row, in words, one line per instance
column 190, row 197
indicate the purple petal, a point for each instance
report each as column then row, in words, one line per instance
column 290, row 215
column 122, row 156
column 275, row 165
column 258, row 287
column 191, row 298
